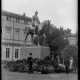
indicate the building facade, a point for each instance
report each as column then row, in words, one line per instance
column 73, row 38
column 13, row 34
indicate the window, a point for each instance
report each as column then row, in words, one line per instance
column 17, row 20
column 24, row 36
column 16, row 34
column 8, row 33
column 25, row 21
column 16, row 53
column 8, row 18
column 7, row 52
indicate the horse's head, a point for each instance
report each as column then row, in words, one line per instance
column 44, row 24
column 47, row 22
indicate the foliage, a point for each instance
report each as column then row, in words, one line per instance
column 44, row 66
column 19, row 65
column 70, row 51
column 47, row 69
column 67, row 31
column 52, row 37
column 47, row 58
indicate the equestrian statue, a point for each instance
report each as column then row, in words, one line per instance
column 36, row 27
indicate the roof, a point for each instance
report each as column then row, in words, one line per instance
column 71, row 35
column 15, row 15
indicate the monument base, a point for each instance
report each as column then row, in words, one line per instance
column 37, row 52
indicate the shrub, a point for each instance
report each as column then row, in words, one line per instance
column 35, row 60
column 40, row 62
column 36, row 67
column 44, row 70
column 22, row 67
column 39, row 65
column 60, row 68
column 55, row 64
column 12, row 66
column 19, row 65
column 8, row 64
column 47, row 69
column 48, row 58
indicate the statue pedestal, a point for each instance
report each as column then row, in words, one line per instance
column 37, row 52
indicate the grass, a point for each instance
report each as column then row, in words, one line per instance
column 7, row 75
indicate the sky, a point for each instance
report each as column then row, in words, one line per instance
column 61, row 12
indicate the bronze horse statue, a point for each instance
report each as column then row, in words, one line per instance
column 32, row 29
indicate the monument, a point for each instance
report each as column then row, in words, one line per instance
column 38, row 51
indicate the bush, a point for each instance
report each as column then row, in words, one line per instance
column 40, row 62
column 22, row 67
column 43, row 66
column 48, row 58
column 35, row 60
column 19, row 65
column 39, row 65
column 21, row 61
column 8, row 64
column 61, row 68
column 36, row 67
column 44, row 70
column 47, row 69
column 55, row 64
column 13, row 66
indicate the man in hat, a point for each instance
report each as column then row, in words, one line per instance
column 30, row 61
column 35, row 19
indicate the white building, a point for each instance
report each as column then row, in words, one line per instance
column 13, row 34
column 73, row 38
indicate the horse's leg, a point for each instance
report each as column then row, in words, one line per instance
column 26, row 36
column 32, row 37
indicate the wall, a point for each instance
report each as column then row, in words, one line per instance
column 8, row 43
column 37, row 52
column 72, row 40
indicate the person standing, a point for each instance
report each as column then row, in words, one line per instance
column 71, row 63
column 30, row 61
column 67, row 65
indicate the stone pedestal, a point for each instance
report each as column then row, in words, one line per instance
column 37, row 52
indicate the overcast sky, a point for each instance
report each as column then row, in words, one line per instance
column 60, row 12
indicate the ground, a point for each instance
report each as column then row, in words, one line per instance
column 7, row 75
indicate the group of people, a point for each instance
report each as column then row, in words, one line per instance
column 70, row 65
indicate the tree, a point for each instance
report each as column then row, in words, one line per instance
column 70, row 51
column 67, row 31
column 54, row 38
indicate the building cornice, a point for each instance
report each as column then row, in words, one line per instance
column 11, row 14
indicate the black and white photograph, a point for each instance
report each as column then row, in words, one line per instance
column 39, row 40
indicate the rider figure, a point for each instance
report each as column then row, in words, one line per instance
column 35, row 22
column 35, row 19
